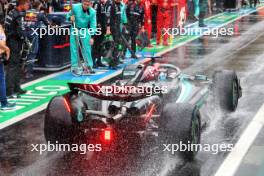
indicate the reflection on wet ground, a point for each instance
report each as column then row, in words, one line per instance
column 242, row 52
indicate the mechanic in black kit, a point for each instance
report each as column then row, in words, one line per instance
column 135, row 18
column 100, row 7
column 57, row 5
column 15, row 41
column 34, row 20
column 251, row 2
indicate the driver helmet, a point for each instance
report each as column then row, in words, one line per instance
column 151, row 73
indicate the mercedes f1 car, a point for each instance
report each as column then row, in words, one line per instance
column 150, row 99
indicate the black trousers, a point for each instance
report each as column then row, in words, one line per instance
column 14, row 69
column 96, row 49
column 154, row 11
column 253, row 2
column 230, row 4
column 133, row 31
column 116, row 34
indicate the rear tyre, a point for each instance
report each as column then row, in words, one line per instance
column 62, row 121
column 180, row 124
column 226, row 89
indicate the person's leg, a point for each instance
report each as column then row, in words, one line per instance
column 154, row 11
column 9, row 81
column 159, row 26
column 148, row 26
column 5, row 105
column 115, row 60
column 17, row 74
column 13, row 73
column 196, row 8
column 99, row 50
column 255, row 3
column 96, row 50
column 133, row 34
column 3, row 98
column 86, row 50
column 203, row 9
column 166, row 25
column 74, row 50
column 32, row 56
column 250, row 3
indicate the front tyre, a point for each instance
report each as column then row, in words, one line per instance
column 227, row 90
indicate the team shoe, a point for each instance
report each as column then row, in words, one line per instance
column 202, row 25
column 76, row 71
column 165, row 44
column 8, row 106
column 133, row 56
column 100, row 64
column 88, row 70
column 21, row 91
column 196, row 17
column 29, row 75
column 149, row 46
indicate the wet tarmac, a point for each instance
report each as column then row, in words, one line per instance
column 242, row 52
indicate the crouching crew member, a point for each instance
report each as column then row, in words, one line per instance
column 116, row 18
column 135, row 16
column 83, row 17
column 100, row 8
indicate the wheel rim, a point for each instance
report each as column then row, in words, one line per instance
column 235, row 94
column 79, row 116
column 195, row 131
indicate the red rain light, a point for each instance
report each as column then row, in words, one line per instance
column 67, row 105
column 107, row 135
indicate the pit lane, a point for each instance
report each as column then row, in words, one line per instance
column 242, row 52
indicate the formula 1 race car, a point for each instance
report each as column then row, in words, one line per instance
column 150, row 99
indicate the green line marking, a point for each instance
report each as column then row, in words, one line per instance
column 39, row 94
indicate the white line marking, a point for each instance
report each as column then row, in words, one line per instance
column 14, row 110
column 32, row 96
column 233, row 160
column 22, row 99
column 21, row 103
